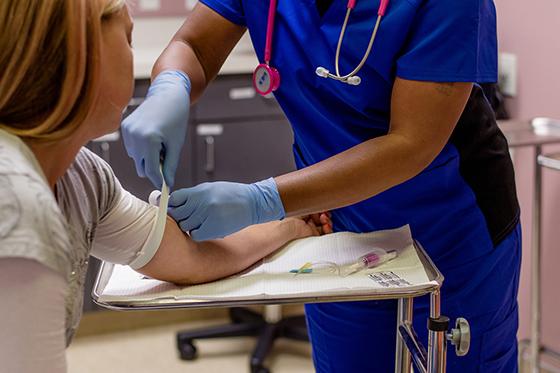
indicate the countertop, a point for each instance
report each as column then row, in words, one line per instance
column 535, row 132
column 151, row 36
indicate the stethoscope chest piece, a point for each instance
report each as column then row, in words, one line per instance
column 266, row 79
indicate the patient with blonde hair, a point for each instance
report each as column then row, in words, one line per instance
column 65, row 78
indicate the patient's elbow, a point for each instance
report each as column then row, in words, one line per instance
column 189, row 280
column 184, row 282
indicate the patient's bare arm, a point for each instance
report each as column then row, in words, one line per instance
column 184, row 261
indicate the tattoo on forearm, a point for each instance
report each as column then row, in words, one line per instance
column 445, row 88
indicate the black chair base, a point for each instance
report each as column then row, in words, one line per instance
column 246, row 323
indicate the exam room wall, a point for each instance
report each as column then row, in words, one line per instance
column 532, row 35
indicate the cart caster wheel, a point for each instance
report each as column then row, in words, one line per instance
column 187, row 351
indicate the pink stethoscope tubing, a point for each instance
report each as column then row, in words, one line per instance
column 264, row 71
column 266, row 79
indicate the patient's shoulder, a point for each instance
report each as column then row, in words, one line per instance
column 88, row 160
column 31, row 223
column 96, row 181
column 93, row 166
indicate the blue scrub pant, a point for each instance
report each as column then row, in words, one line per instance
column 360, row 336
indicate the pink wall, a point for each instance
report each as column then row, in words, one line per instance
column 532, row 33
column 168, row 8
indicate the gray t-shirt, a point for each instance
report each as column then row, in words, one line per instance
column 91, row 214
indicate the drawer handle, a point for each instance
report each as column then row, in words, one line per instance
column 106, row 151
column 210, row 155
column 242, row 93
column 209, row 129
column 111, row 137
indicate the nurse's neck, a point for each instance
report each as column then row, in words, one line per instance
column 57, row 156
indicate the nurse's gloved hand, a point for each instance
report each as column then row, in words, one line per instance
column 215, row 210
column 158, row 127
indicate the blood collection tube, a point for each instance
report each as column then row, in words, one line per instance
column 371, row 260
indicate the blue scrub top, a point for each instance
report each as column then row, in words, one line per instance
column 427, row 40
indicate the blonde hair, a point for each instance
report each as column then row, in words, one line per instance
column 49, row 57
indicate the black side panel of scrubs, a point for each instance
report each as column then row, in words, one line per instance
column 486, row 165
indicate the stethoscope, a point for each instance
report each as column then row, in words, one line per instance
column 266, row 79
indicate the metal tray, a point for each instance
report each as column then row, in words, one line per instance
column 432, row 272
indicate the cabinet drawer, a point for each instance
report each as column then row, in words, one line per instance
column 243, row 151
column 232, row 97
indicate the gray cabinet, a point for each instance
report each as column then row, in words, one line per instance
column 234, row 135
column 233, row 98
column 238, row 134
column 245, row 151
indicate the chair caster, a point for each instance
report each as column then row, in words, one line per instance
column 259, row 370
column 188, row 351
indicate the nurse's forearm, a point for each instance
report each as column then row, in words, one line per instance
column 179, row 55
column 352, row 176
column 423, row 116
column 200, row 47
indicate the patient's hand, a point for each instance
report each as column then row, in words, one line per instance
column 313, row 225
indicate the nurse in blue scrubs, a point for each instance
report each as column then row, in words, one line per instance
column 415, row 142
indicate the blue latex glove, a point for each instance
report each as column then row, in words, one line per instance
column 215, row 210
column 157, row 129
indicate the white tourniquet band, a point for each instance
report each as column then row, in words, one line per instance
column 154, row 239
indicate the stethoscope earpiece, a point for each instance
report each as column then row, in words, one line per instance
column 354, row 80
column 322, row 72
column 351, row 80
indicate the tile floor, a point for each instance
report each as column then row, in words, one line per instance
column 154, row 350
